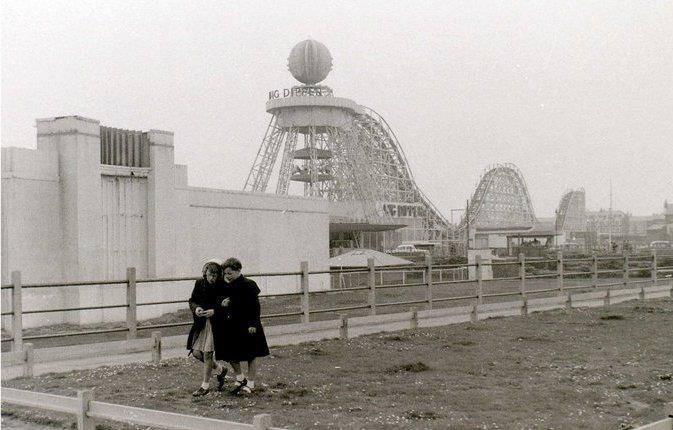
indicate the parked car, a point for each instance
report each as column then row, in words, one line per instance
column 408, row 249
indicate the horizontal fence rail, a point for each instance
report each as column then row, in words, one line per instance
column 427, row 280
column 87, row 411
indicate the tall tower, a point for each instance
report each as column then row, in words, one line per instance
column 334, row 148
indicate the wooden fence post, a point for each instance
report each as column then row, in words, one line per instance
column 262, row 422
column 305, row 316
column 625, row 269
column 654, row 267
column 480, row 282
column 522, row 273
column 84, row 422
column 559, row 269
column 156, row 347
column 594, row 269
column 414, row 318
column 131, row 310
column 428, row 284
column 17, row 309
column 30, row 360
column 371, row 282
column 343, row 328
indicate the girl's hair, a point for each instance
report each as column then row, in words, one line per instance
column 212, row 266
column 232, row 263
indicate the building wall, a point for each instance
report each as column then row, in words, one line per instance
column 55, row 216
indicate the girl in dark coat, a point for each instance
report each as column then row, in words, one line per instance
column 204, row 304
column 245, row 339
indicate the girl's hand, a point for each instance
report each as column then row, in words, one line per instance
column 199, row 311
column 226, row 302
column 252, row 330
column 209, row 313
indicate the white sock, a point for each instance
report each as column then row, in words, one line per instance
column 240, row 378
column 205, row 385
column 251, row 384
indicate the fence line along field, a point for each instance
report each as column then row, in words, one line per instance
column 598, row 368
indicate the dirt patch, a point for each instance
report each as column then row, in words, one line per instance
column 563, row 369
column 418, row 366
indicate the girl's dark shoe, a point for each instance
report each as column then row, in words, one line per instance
column 201, row 392
column 220, row 379
column 239, row 386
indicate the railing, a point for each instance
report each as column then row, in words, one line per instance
column 556, row 269
column 87, row 411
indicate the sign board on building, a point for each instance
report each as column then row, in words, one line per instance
column 401, row 210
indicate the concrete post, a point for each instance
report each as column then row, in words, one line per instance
column 306, row 316
column 625, row 270
column 522, row 273
column 371, row 282
column 414, row 318
column 343, row 329
column 30, row 360
column 594, row 269
column 17, row 308
column 654, row 267
column 480, row 282
column 428, row 284
column 559, row 269
column 84, row 422
column 131, row 310
column 156, row 347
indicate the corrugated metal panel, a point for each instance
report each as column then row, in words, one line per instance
column 124, row 225
column 119, row 147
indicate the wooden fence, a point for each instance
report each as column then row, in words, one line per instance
column 527, row 270
column 87, row 411
column 345, row 327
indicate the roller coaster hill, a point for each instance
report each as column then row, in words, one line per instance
column 317, row 144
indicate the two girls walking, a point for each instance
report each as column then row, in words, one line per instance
column 227, row 326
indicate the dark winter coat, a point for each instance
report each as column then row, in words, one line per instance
column 237, row 344
column 207, row 296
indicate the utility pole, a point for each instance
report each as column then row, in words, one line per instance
column 467, row 227
column 610, row 221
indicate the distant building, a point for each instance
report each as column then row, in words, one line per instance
column 604, row 223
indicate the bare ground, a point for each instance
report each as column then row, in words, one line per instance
column 573, row 369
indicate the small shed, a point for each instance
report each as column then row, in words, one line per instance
column 357, row 258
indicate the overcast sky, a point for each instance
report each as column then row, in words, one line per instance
column 573, row 93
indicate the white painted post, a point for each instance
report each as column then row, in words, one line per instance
column 131, row 310
column 625, row 269
column 30, row 360
column 559, row 267
column 17, row 309
column 428, row 284
column 371, row 281
column 343, row 329
column 594, row 268
column 414, row 318
column 606, row 300
column 522, row 273
column 84, row 422
column 262, row 422
column 306, row 316
column 156, row 347
column 654, row 267
column 480, row 282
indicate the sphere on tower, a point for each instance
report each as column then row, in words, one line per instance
column 309, row 62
